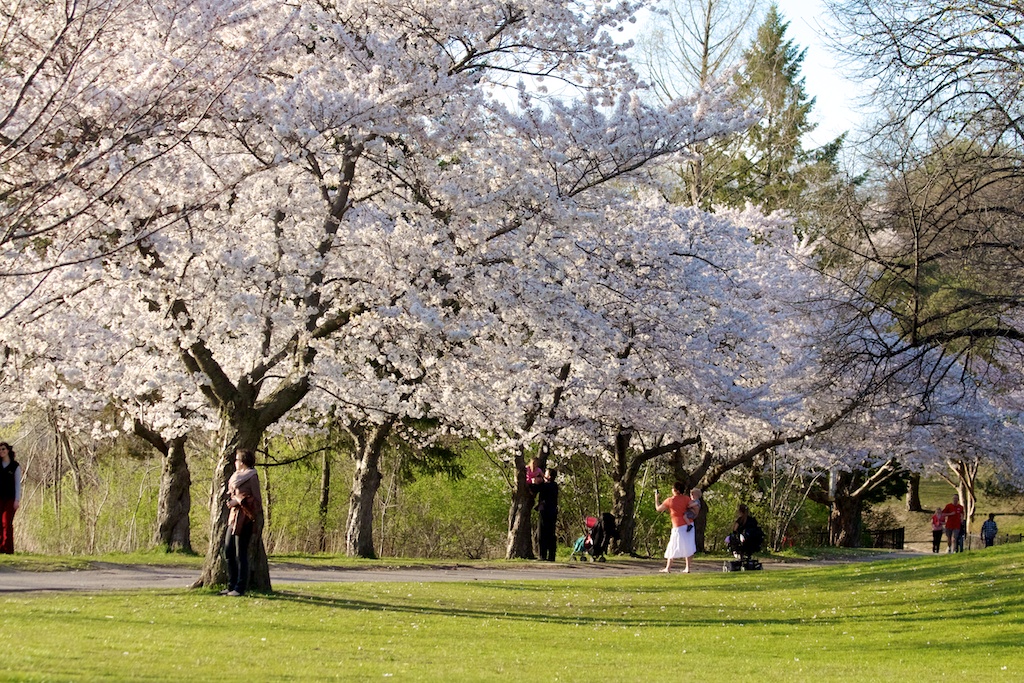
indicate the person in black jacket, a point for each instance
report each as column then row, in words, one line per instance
column 547, row 507
column 746, row 536
column 10, row 496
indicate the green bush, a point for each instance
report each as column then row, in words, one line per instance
column 438, row 516
column 110, row 506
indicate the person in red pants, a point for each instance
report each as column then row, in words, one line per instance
column 10, row 496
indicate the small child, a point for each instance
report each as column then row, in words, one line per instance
column 534, row 474
column 693, row 509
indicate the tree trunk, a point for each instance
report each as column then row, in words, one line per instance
column 966, row 482
column 691, row 480
column 244, row 419
column 325, row 499
column 844, row 521
column 625, row 471
column 175, row 499
column 914, row 493
column 365, row 483
column 215, row 570
column 520, row 523
column 624, row 495
column 624, row 511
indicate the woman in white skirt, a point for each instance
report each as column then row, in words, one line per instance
column 682, row 542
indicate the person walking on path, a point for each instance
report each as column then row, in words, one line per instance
column 937, row 526
column 682, row 541
column 989, row 529
column 245, row 503
column 547, row 509
column 952, row 519
column 10, row 496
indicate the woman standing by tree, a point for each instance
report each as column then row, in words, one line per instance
column 10, row 496
column 245, row 503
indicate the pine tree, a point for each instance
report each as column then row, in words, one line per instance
column 771, row 168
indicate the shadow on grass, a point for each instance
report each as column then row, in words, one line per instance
column 903, row 593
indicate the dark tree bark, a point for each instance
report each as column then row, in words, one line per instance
column 700, row 527
column 914, row 493
column 370, row 442
column 691, row 480
column 626, row 469
column 215, row 571
column 845, row 514
column 325, row 499
column 174, row 500
column 845, row 500
column 520, row 521
column 624, row 511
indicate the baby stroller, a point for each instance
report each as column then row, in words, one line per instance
column 743, row 545
column 597, row 534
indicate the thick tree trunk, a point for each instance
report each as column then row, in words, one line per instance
column 845, row 497
column 625, row 472
column 844, row 522
column 624, row 510
column 691, row 480
column 215, row 571
column 244, row 417
column 520, row 523
column 700, row 526
column 914, row 493
column 175, row 500
column 365, row 483
column 624, row 494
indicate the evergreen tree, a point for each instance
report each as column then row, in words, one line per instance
column 771, row 168
column 693, row 46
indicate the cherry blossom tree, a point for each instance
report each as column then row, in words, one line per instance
column 82, row 370
column 359, row 170
column 97, row 95
column 679, row 327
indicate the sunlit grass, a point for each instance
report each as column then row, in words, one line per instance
column 931, row 618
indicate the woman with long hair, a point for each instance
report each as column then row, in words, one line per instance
column 245, row 503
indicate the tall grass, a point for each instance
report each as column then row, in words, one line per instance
column 928, row 619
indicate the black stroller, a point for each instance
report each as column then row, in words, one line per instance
column 598, row 533
column 743, row 544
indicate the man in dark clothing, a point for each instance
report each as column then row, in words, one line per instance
column 547, row 507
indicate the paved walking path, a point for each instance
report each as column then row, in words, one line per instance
column 123, row 577
column 127, row 577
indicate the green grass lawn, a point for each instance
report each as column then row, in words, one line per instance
column 926, row 619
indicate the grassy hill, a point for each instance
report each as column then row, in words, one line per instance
column 935, row 493
column 926, row 618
